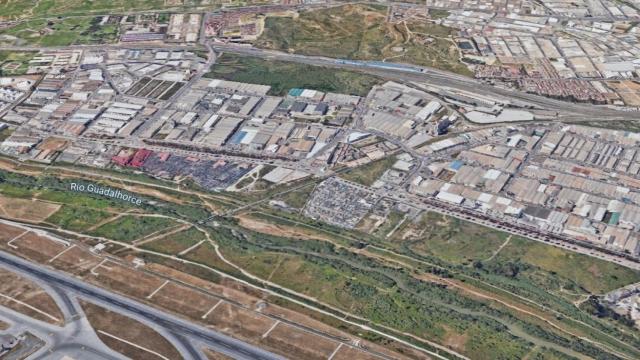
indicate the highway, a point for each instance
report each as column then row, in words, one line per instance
column 221, row 343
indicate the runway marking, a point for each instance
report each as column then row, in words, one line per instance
column 335, row 352
column 31, row 307
column 133, row 344
column 271, row 329
column 62, row 252
column 93, row 270
column 10, row 243
column 158, row 289
column 183, row 252
column 212, row 308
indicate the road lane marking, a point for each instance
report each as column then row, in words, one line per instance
column 271, row 329
column 133, row 344
column 212, row 308
column 62, row 252
column 158, row 289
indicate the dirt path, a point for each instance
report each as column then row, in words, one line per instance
column 495, row 253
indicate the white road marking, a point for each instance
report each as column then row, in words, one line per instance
column 62, row 252
column 271, row 329
column 133, row 344
column 158, row 289
column 212, row 308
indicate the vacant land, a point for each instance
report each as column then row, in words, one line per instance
column 129, row 228
column 14, row 63
column 60, row 32
column 175, row 243
column 593, row 275
column 453, row 240
column 361, row 32
column 25, row 296
column 77, row 218
column 26, row 210
column 127, row 336
column 16, row 9
column 368, row 174
column 282, row 75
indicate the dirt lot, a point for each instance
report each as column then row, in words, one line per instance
column 349, row 353
column 299, row 344
column 28, row 292
column 238, row 322
column 184, row 300
column 76, row 261
column 130, row 330
column 124, row 280
column 34, row 247
column 8, row 232
column 259, row 225
column 227, row 292
column 27, row 210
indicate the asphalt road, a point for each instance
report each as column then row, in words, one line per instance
column 221, row 343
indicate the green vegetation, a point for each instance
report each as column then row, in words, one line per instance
column 283, row 75
column 14, row 63
column 297, row 199
column 393, row 219
column 129, row 228
column 175, row 243
column 61, row 32
column 368, row 174
column 450, row 239
column 438, row 14
column 360, row 31
column 4, row 134
column 20, row 9
column 394, row 297
column 593, row 275
column 446, row 280
column 77, row 218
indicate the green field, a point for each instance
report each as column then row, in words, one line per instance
column 14, row 63
column 60, row 32
column 452, row 240
column 368, row 174
column 129, row 228
column 282, row 75
column 361, row 32
column 4, row 134
column 593, row 275
column 18, row 9
column 175, row 243
column 77, row 218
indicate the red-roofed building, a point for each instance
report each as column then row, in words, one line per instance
column 140, row 157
